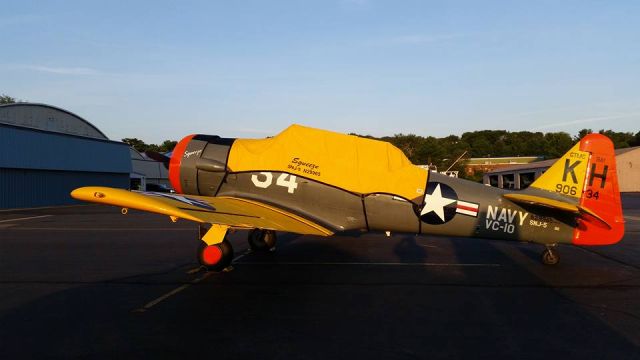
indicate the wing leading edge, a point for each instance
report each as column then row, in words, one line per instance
column 233, row 212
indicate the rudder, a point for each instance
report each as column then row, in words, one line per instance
column 600, row 194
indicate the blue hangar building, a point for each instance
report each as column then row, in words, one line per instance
column 45, row 152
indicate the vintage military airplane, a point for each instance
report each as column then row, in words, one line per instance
column 311, row 181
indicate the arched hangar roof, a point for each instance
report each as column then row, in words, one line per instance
column 48, row 118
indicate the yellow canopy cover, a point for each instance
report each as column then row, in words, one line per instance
column 349, row 162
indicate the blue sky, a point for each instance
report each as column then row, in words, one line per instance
column 159, row 70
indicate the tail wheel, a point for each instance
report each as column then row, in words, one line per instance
column 262, row 240
column 550, row 256
column 215, row 257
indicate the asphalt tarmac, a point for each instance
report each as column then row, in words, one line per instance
column 88, row 282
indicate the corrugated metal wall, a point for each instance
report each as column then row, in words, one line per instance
column 23, row 148
column 40, row 168
column 152, row 170
column 21, row 188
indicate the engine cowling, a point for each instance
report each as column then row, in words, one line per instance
column 199, row 163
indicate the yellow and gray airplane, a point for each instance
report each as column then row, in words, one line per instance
column 317, row 182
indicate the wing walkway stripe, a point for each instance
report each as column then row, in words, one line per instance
column 219, row 212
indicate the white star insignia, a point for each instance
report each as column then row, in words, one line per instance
column 436, row 203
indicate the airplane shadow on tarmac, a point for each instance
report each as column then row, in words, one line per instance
column 408, row 250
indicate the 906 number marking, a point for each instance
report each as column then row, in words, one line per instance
column 566, row 189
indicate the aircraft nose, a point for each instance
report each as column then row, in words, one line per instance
column 198, row 164
column 176, row 162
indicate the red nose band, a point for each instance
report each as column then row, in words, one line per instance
column 176, row 161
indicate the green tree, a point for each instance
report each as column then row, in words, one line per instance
column 482, row 147
column 526, row 143
column 141, row 146
column 636, row 139
column 136, row 143
column 556, row 144
column 409, row 144
column 487, row 143
column 167, row 145
column 620, row 139
column 430, row 152
column 6, row 99
column 582, row 133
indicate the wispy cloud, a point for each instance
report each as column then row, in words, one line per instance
column 587, row 120
column 60, row 70
column 424, row 38
column 547, row 111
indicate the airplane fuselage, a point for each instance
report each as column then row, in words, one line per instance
column 442, row 206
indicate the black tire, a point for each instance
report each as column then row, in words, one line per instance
column 225, row 259
column 550, row 257
column 262, row 240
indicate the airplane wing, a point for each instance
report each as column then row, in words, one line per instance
column 233, row 212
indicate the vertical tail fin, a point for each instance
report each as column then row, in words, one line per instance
column 600, row 193
column 588, row 174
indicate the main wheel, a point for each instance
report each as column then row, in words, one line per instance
column 215, row 257
column 550, row 257
column 262, row 240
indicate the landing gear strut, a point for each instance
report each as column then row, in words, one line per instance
column 262, row 240
column 550, row 255
column 215, row 252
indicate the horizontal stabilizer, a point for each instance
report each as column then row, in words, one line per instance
column 580, row 211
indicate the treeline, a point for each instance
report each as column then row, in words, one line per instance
column 141, row 146
column 442, row 152
column 484, row 143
